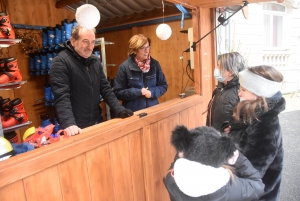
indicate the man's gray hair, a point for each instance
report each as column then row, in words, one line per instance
column 77, row 29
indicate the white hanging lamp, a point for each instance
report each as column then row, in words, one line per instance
column 87, row 16
column 163, row 31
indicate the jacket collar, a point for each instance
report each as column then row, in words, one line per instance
column 133, row 65
column 86, row 61
column 230, row 84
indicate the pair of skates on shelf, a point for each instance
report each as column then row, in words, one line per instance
column 10, row 74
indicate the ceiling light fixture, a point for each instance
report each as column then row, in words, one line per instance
column 163, row 31
column 87, row 16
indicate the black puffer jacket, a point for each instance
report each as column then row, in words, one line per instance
column 198, row 182
column 77, row 84
column 224, row 99
column 261, row 143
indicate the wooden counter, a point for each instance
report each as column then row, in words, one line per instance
column 118, row 160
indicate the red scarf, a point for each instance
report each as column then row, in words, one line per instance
column 144, row 65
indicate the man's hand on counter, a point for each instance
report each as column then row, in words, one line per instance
column 73, row 130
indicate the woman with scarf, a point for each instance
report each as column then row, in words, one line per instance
column 255, row 125
column 140, row 80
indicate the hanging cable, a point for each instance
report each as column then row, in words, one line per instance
column 182, row 72
column 186, row 70
column 163, row 10
column 187, row 81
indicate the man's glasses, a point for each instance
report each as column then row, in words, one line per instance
column 145, row 48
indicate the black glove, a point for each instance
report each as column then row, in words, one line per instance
column 125, row 113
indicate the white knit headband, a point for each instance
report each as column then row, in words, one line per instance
column 258, row 84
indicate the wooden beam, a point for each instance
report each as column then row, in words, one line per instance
column 63, row 3
column 183, row 3
column 139, row 17
column 214, row 3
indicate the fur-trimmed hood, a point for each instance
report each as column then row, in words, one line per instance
column 195, row 179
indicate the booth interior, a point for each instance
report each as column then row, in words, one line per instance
column 119, row 159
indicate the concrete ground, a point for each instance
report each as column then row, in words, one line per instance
column 292, row 102
column 290, row 124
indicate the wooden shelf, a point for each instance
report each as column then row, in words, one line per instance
column 13, row 85
column 16, row 127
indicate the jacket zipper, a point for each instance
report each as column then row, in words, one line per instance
column 220, row 93
column 87, row 68
column 147, row 105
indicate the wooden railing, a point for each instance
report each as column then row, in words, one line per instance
column 118, row 160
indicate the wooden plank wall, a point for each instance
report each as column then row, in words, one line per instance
column 121, row 159
column 44, row 13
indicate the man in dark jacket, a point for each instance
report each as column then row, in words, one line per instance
column 77, row 81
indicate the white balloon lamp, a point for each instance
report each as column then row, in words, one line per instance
column 87, row 16
column 163, row 31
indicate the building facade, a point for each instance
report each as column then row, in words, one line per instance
column 269, row 35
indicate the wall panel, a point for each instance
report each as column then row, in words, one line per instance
column 135, row 150
column 13, row 192
column 100, row 167
column 43, row 185
column 74, row 179
column 121, row 168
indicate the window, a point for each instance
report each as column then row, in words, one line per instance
column 273, row 24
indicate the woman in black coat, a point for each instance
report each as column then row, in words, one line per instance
column 203, row 170
column 225, row 96
column 255, row 125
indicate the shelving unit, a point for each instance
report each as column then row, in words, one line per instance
column 10, row 86
column 101, row 42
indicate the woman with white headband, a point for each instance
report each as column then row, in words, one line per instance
column 255, row 124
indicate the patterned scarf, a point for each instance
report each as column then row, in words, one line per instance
column 144, row 65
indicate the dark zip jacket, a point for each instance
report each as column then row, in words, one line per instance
column 130, row 80
column 77, row 83
column 224, row 99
